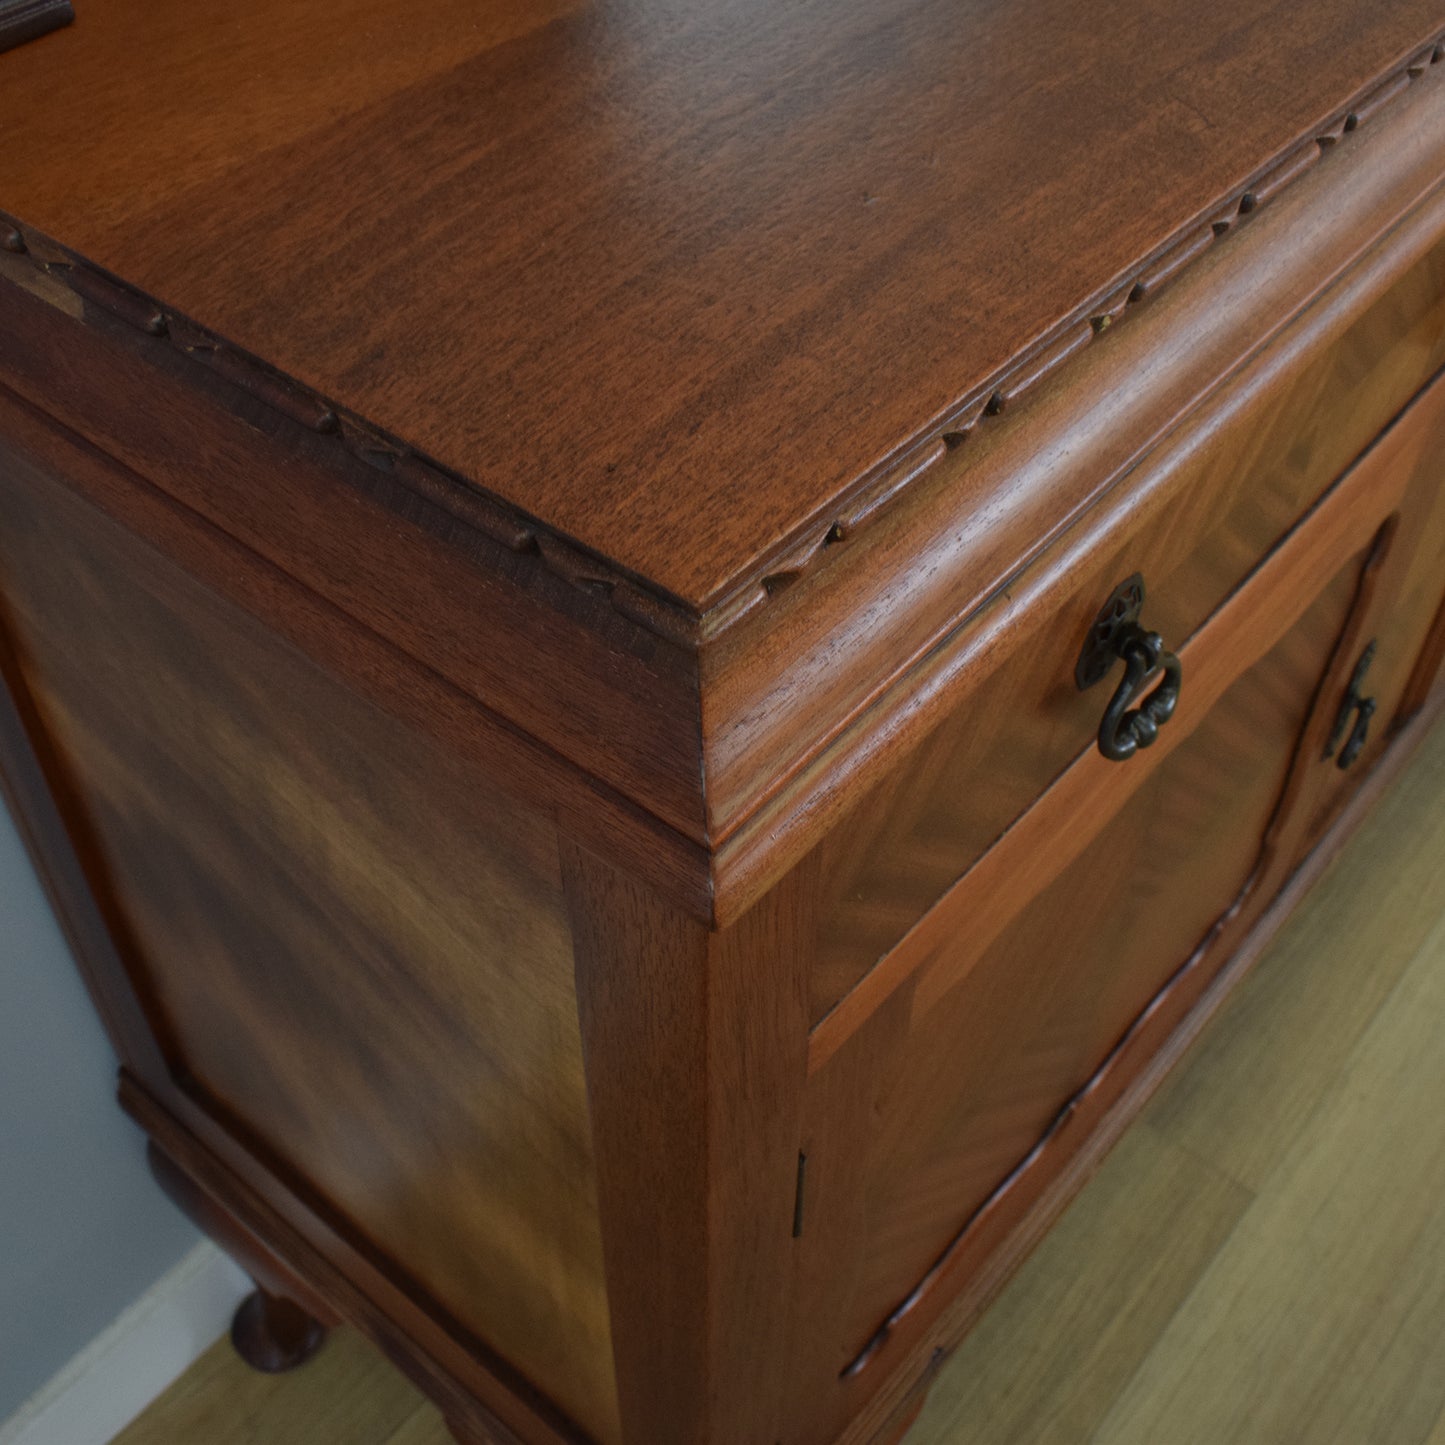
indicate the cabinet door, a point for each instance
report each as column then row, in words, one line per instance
column 998, row 1047
column 1389, row 659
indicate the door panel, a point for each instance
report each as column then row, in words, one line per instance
column 958, row 1079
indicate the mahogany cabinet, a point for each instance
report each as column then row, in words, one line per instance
column 660, row 656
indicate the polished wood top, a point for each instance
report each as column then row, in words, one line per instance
column 672, row 277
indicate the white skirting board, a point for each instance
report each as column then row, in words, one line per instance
column 133, row 1360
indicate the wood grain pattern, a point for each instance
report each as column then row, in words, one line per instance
column 525, row 536
column 1337, row 964
column 1072, row 1329
column 1324, row 1197
column 425, row 1427
column 71, row 868
column 627, row 167
column 1060, row 826
column 995, row 1065
column 802, row 704
column 929, row 1033
column 1026, row 1233
column 477, row 1390
column 330, row 938
column 416, row 695
column 750, row 742
column 539, row 545
column 1429, row 672
column 695, row 1046
column 1071, row 1333
column 1214, row 499
column 541, row 652
column 1394, row 617
column 346, row 1393
column 1051, row 1356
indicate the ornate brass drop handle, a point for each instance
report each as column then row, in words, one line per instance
column 1128, row 723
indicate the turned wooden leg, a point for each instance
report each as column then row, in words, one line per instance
column 284, row 1322
column 273, row 1334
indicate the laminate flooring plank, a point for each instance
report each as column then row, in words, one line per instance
column 1044, row 1365
column 1239, row 1101
column 424, row 1427
column 1259, row 1071
column 1437, row 1435
column 1401, row 1360
column 1323, row 1317
column 347, row 1395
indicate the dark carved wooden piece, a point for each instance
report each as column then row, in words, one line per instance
column 273, row 1334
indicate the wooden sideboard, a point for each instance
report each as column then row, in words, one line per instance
column 661, row 655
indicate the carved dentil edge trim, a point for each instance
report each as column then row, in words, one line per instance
column 481, row 512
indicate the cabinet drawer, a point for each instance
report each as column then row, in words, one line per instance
column 950, row 1086
column 1201, row 511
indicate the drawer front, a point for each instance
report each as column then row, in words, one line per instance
column 1206, row 506
column 958, row 1080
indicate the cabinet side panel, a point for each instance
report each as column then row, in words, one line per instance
column 354, row 948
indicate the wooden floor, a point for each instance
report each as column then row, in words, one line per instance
column 1261, row 1261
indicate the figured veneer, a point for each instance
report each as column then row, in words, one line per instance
column 969, row 1047
column 542, row 560
column 801, row 707
column 336, row 879
column 1219, row 493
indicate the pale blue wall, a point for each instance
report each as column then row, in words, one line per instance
column 83, row 1230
